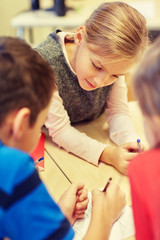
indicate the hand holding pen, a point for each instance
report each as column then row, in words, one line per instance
column 133, row 147
column 107, row 205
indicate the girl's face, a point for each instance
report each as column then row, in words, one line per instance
column 93, row 71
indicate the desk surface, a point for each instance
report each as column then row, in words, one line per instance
column 62, row 168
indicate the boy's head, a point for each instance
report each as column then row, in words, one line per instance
column 147, row 89
column 26, row 86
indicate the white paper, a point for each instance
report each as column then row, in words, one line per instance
column 123, row 228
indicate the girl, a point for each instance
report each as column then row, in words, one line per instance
column 145, row 168
column 90, row 66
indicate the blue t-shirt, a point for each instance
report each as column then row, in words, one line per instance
column 27, row 211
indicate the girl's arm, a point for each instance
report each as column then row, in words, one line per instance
column 68, row 137
column 121, row 127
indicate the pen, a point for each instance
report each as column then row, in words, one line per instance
column 38, row 160
column 139, row 145
column 105, row 188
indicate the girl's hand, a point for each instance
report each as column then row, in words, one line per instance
column 118, row 157
column 74, row 201
column 133, row 147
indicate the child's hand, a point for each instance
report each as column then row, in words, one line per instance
column 109, row 203
column 133, row 147
column 74, row 201
column 118, row 157
column 81, row 203
column 106, row 209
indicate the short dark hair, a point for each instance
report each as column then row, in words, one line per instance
column 146, row 80
column 26, row 79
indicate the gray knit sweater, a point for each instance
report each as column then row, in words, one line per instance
column 80, row 104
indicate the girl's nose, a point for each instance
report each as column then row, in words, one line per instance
column 101, row 79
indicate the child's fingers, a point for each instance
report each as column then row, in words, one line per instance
column 77, row 186
column 79, row 215
column 79, row 192
column 81, row 211
column 132, row 147
column 81, row 205
column 82, row 194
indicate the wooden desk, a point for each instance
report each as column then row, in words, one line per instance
column 55, row 181
column 62, row 168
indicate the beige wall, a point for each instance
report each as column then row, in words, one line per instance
column 9, row 8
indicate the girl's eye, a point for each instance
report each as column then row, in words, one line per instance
column 99, row 68
column 115, row 76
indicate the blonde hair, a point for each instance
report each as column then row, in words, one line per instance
column 118, row 31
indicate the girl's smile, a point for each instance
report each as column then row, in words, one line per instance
column 90, row 84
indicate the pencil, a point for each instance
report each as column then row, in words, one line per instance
column 139, row 145
column 105, row 188
column 38, row 160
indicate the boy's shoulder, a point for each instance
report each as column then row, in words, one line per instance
column 15, row 166
column 10, row 155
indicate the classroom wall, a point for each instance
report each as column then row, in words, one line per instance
column 8, row 9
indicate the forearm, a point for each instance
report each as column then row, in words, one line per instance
column 79, row 144
column 122, row 130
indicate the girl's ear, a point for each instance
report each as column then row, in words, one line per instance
column 79, row 34
column 21, row 123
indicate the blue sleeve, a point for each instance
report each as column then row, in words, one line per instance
column 28, row 210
